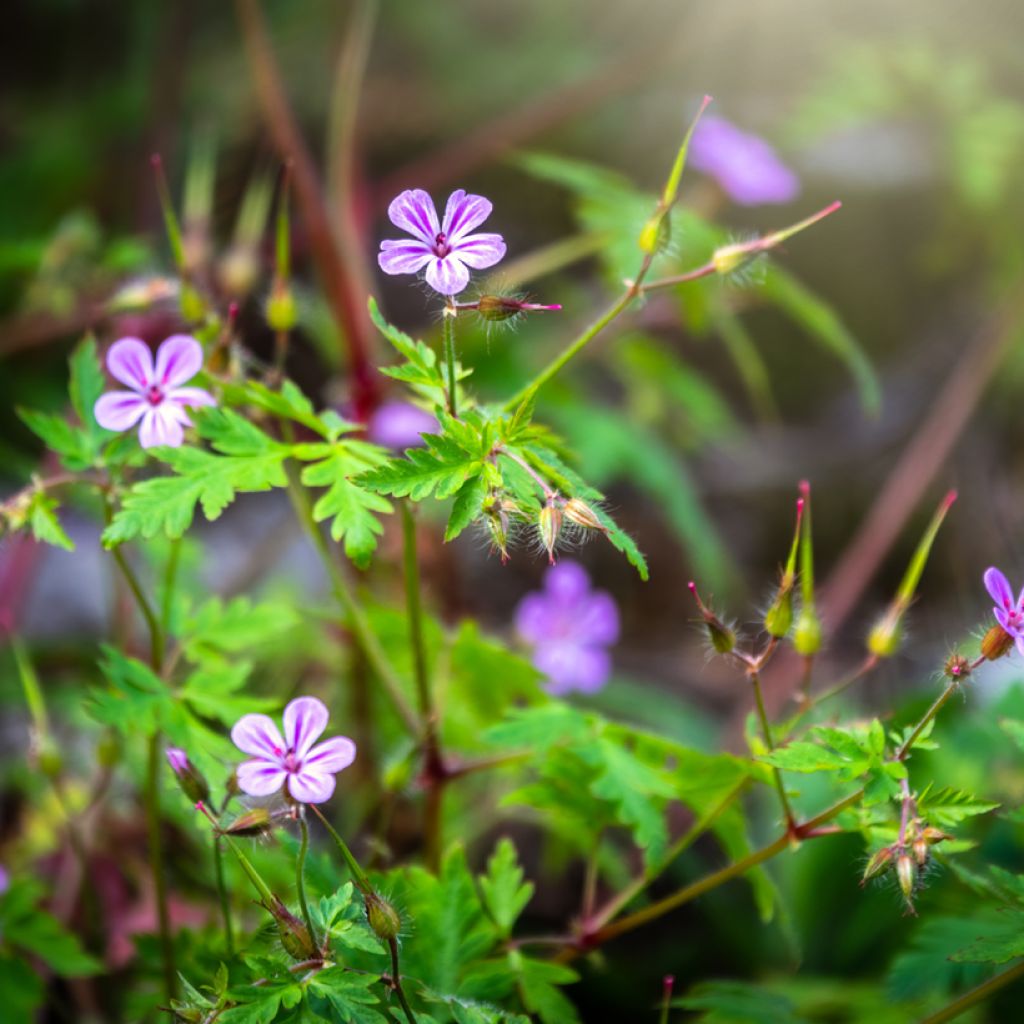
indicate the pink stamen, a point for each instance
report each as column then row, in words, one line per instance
column 154, row 394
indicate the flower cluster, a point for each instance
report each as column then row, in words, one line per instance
column 1009, row 611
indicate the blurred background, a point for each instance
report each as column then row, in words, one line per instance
column 879, row 355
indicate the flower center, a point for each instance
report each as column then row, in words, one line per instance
column 441, row 246
column 291, row 763
column 154, row 394
column 1014, row 619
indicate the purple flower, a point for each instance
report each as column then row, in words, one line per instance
column 1009, row 612
column 570, row 628
column 399, row 425
column 446, row 250
column 308, row 770
column 745, row 166
column 157, row 397
column 177, row 759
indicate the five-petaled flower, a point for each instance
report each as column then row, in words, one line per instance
column 447, row 250
column 157, row 396
column 746, row 167
column 1009, row 611
column 570, row 628
column 308, row 770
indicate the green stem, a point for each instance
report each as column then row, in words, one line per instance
column 396, row 981
column 361, row 631
column 300, row 879
column 448, row 324
column 156, row 634
column 766, row 732
column 716, row 878
column 359, row 876
column 222, row 894
column 976, row 995
column 156, row 861
column 170, row 580
column 413, row 605
column 937, row 704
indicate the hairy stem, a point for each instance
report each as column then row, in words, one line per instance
column 396, row 982
column 766, row 732
column 156, row 862
column 359, row 876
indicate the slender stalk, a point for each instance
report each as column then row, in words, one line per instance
column 766, row 731
column 977, row 995
column 170, row 580
column 448, row 325
column 300, row 879
column 363, row 634
column 359, row 876
column 156, row 635
column 690, row 275
column 936, row 707
column 156, row 862
column 222, row 894
column 716, row 878
column 396, row 982
column 434, row 774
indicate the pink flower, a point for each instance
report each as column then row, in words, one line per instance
column 1009, row 613
column 446, row 250
column 308, row 770
column 157, row 397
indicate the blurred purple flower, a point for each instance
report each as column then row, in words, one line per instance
column 399, row 425
column 308, row 770
column 1008, row 611
column 745, row 166
column 177, row 759
column 446, row 250
column 5, row 880
column 157, row 397
column 570, row 628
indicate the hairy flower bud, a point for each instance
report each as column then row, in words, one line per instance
column 383, row 918
column 932, row 835
column 906, row 873
column 996, row 643
column 920, row 848
column 886, row 635
column 807, row 632
column 779, row 616
column 496, row 308
column 549, row 526
column 192, row 781
column 956, row 667
column 723, row 639
column 255, row 822
column 582, row 514
column 295, row 937
column 238, row 271
column 880, row 862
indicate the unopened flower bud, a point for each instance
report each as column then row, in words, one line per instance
column 295, row 937
column 906, row 873
column 549, row 526
column 880, row 862
column 886, row 634
column 729, row 258
column 723, row 639
column 654, row 235
column 956, row 667
column 996, row 643
column 582, row 514
column 932, row 835
column 142, row 294
column 496, row 308
column 779, row 616
column 191, row 779
column 281, row 310
column 383, row 918
column 238, row 271
column 807, row 632
column 255, row 822
column 920, row 848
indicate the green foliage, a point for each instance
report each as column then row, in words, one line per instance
column 505, row 895
column 730, row 1002
column 243, row 460
column 949, row 807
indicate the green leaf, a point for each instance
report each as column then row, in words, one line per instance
column 351, row 507
column 245, row 460
column 22, row 989
column 237, row 626
column 439, row 469
column 86, row 385
column 70, row 444
column 948, row 807
column 997, row 948
column 504, row 892
column 348, row 995
column 738, row 1002
column 467, row 506
column 538, row 983
column 44, row 523
column 27, row 927
column 822, row 324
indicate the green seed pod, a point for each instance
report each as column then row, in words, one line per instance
column 383, row 918
column 807, row 632
column 294, row 934
column 281, row 311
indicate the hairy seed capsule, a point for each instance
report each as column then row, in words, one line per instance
column 906, row 872
column 996, row 643
column 383, row 918
column 549, row 526
column 582, row 514
column 295, row 937
column 880, row 862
